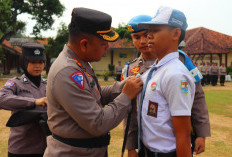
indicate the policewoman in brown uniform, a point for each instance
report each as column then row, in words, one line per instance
column 26, row 93
column 77, row 118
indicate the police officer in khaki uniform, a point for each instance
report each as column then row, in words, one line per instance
column 200, row 118
column 214, row 74
column 118, row 71
column 203, row 69
column 222, row 73
column 26, row 93
column 77, row 118
column 208, row 77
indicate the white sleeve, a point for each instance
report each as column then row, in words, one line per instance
column 179, row 91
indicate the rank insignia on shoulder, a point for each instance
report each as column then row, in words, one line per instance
column 25, row 79
column 9, row 84
column 77, row 62
column 87, row 74
column 153, row 86
column 135, row 69
column 78, row 78
column 184, row 86
column 152, row 109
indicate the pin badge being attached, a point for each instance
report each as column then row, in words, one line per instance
column 153, row 86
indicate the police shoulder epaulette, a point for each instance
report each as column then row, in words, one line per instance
column 132, row 61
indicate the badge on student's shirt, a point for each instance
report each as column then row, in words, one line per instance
column 152, row 109
column 134, row 70
column 153, row 86
column 184, row 86
column 9, row 84
column 78, row 78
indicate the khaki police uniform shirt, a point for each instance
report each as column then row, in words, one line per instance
column 75, row 109
column 222, row 71
column 20, row 94
column 203, row 69
column 199, row 112
column 118, row 70
column 214, row 70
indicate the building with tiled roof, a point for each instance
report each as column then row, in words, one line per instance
column 205, row 45
column 121, row 50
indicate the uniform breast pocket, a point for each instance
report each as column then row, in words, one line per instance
column 24, row 93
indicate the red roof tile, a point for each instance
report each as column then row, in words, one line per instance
column 205, row 41
column 44, row 41
column 121, row 43
column 14, row 48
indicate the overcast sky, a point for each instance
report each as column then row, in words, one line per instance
column 212, row 14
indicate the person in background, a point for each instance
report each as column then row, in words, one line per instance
column 118, row 71
column 208, row 79
column 27, row 92
column 202, row 69
column 214, row 74
column 222, row 73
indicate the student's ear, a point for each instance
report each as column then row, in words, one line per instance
column 176, row 34
column 83, row 45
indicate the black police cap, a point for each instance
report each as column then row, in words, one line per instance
column 94, row 22
column 33, row 51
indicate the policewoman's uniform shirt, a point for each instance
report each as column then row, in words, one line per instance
column 170, row 92
column 20, row 94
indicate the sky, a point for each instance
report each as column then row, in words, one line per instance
column 212, row 14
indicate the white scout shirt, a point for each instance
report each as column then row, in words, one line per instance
column 170, row 92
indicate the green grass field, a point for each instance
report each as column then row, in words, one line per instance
column 219, row 101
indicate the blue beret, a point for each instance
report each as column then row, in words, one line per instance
column 133, row 23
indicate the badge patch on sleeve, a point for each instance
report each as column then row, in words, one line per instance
column 9, row 84
column 184, row 86
column 152, row 109
column 78, row 78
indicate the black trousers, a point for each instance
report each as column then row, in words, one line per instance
column 118, row 77
column 214, row 79
column 24, row 155
column 222, row 79
column 203, row 81
column 208, row 79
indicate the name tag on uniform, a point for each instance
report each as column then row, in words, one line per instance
column 152, row 109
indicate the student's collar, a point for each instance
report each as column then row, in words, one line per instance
column 166, row 59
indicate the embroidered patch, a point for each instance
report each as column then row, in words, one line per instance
column 134, row 70
column 153, row 86
column 152, row 109
column 78, row 78
column 78, row 63
column 9, row 84
column 184, row 86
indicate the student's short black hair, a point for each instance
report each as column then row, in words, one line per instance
column 182, row 35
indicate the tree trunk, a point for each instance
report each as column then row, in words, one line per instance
column 48, row 63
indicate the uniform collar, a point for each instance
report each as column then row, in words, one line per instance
column 86, row 66
column 142, row 61
column 166, row 59
column 26, row 80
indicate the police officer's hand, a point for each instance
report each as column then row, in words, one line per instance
column 132, row 87
column 41, row 102
column 199, row 145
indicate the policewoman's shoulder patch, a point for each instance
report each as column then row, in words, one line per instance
column 78, row 78
column 9, row 84
column 184, row 86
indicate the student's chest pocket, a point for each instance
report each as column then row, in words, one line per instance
column 156, row 106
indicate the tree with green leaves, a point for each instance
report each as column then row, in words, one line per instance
column 123, row 31
column 42, row 11
column 55, row 46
